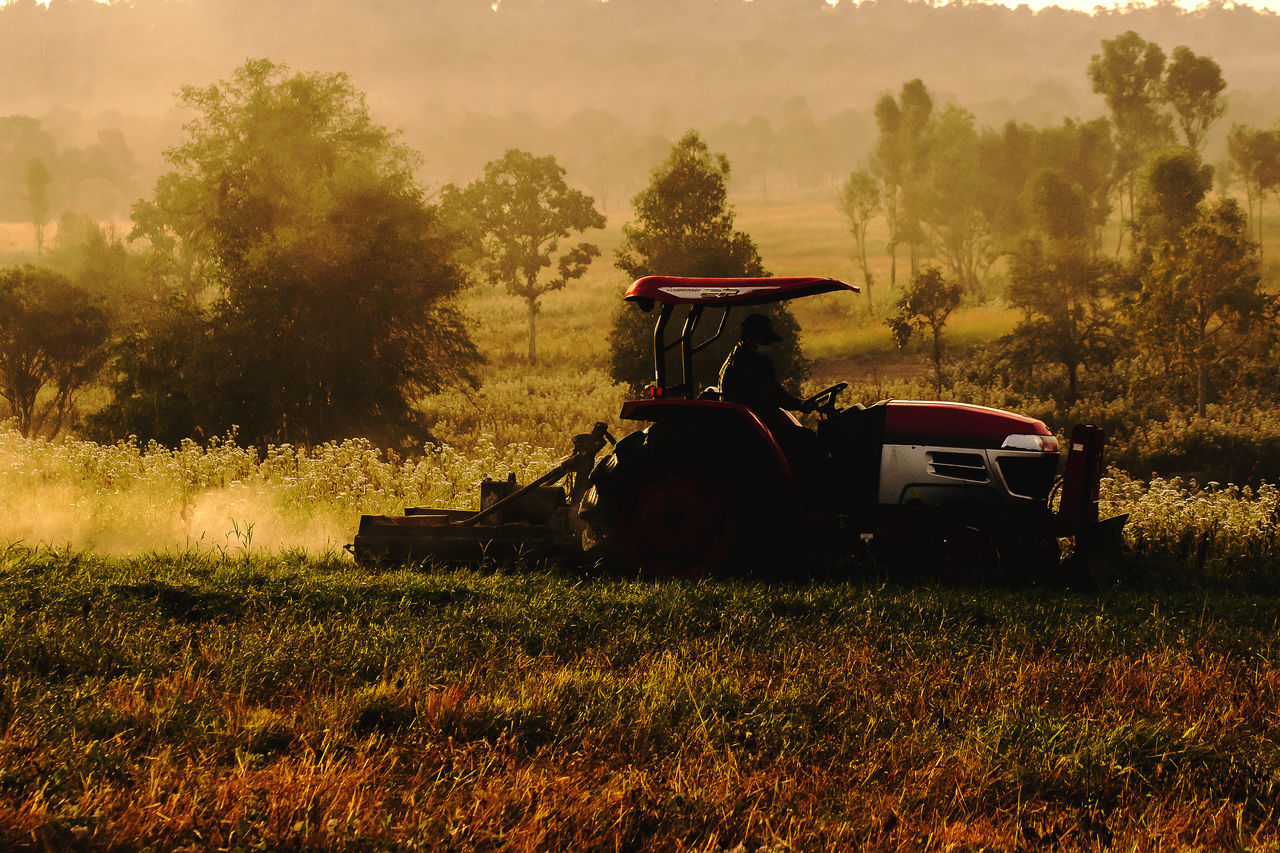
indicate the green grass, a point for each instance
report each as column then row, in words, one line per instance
column 281, row 703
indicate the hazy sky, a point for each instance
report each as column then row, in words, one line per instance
column 1087, row 6
column 1083, row 5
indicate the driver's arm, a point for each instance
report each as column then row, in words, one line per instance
column 783, row 398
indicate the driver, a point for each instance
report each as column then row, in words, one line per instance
column 748, row 377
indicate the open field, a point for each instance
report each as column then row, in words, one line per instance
column 187, row 702
column 187, row 663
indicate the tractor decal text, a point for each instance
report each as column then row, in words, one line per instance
column 714, row 292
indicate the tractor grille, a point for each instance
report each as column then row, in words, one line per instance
column 962, row 466
column 1029, row 476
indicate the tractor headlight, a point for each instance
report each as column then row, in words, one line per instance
column 1027, row 441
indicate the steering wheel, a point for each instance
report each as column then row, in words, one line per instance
column 825, row 401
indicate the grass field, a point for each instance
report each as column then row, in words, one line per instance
column 187, row 662
column 185, row 702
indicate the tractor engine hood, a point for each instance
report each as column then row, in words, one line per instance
column 933, row 423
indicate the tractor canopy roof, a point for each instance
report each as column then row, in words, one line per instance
column 681, row 290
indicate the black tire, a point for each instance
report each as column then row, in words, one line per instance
column 659, row 506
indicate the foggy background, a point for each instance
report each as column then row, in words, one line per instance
column 784, row 87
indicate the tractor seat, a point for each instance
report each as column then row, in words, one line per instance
column 711, row 392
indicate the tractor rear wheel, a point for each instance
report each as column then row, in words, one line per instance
column 662, row 508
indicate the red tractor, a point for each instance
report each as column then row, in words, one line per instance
column 943, row 489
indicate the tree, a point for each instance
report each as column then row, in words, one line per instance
column 925, row 305
column 899, row 162
column 22, row 139
column 1057, row 206
column 37, row 185
column 100, row 176
column 1172, row 185
column 1193, row 86
column 1022, row 167
column 951, row 199
column 53, row 342
column 96, row 259
column 684, row 226
column 325, row 279
column 1200, row 294
column 1129, row 76
column 860, row 201
column 1058, row 284
column 1256, row 157
column 516, row 217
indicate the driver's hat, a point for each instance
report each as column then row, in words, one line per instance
column 758, row 327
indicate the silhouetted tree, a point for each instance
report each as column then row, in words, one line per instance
column 22, row 140
column 1056, row 206
column 1171, row 187
column 1200, row 295
column 1129, row 76
column 37, row 192
column 516, row 217
column 899, row 162
column 1256, row 157
column 684, row 226
column 95, row 258
column 53, row 340
column 926, row 304
column 860, row 201
column 951, row 198
column 1059, row 286
column 1193, row 86
column 329, row 276
column 1016, row 162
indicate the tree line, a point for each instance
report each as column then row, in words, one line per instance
column 294, row 281
column 1173, row 319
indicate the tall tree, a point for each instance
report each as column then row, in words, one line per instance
column 899, row 162
column 925, row 305
column 1193, row 86
column 1170, row 189
column 327, row 278
column 22, row 139
column 1016, row 161
column 1057, row 206
column 516, row 217
column 1200, row 294
column 1059, row 285
column 37, row 192
column 860, row 201
column 684, row 226
column 1129, row 73
column 952, row 199
column 1256, row 157
column 53, row 339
